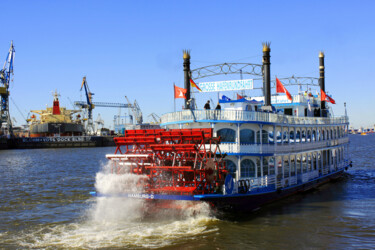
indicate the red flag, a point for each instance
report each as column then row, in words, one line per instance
column 239, row 96
column 324, row 97
column 281, row 89
column 179, row 92
column 194, row 84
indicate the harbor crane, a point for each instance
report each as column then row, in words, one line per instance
column 136, row 110
column 5, row 75
column 89, row 105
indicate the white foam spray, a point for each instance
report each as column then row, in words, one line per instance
column 114, row 207
column 114, row 221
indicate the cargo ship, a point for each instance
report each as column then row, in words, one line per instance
column 57, row 127
column 249, row 153
column 55, row 121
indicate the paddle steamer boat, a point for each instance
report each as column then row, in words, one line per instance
column 249, row 153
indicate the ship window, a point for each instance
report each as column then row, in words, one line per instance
column 231, row 167
column 247, row 168
column 279, row 166
column 278, row 137
column 292, row 166
column 323, row 135
column 298, row 136
column 314, row 161
column 304, row 164
column 286, row 167
column 259, row 169
column 247, row 136
column 288, row 111
column 264, row 137
column 270, row 137
column 265, row 166
column 285, row 137
column 319, row 157
column 291, row 136
column 331, row 134
column 318, row 135
column 303, row 135
column 271, row 166
column 309, row 163
column 325, row 159
column 298, row 164
column 308, row 136
column 313, row 135
column 227, row 135
column 335, row 158
column 342, row 154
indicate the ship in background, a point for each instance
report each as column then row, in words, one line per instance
column 59, row 127
column 55, row 121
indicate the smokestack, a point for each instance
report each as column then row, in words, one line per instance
column 322, row 83
column 186, row 57
column 266, row 74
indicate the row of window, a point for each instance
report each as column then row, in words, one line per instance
column 292, row 164
column 248, row 136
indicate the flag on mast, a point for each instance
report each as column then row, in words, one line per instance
column 179, row 92
column 192, row 83
column 239, row 96
column 324, row 97
column 281, row 89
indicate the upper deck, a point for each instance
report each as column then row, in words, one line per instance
column 242, row 116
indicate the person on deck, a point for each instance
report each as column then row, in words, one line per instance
column 217, row 110
column 218, row 107
column 207, row 105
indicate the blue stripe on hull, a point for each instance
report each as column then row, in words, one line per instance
column 238, row 202
column 250, row 202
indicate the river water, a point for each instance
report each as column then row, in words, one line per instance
column 45, row 203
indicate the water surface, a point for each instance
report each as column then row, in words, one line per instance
column 44, row 203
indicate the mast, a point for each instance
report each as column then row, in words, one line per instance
column 322, row 83
column 267, row 76
column 187, row 73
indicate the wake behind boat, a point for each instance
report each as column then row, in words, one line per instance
column 248, row 153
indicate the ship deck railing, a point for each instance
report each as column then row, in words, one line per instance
column 236, row 148
column 249, row 116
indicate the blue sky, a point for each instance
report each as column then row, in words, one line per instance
column 134, row 48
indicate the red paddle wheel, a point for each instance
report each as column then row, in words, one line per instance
column 178, row 162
